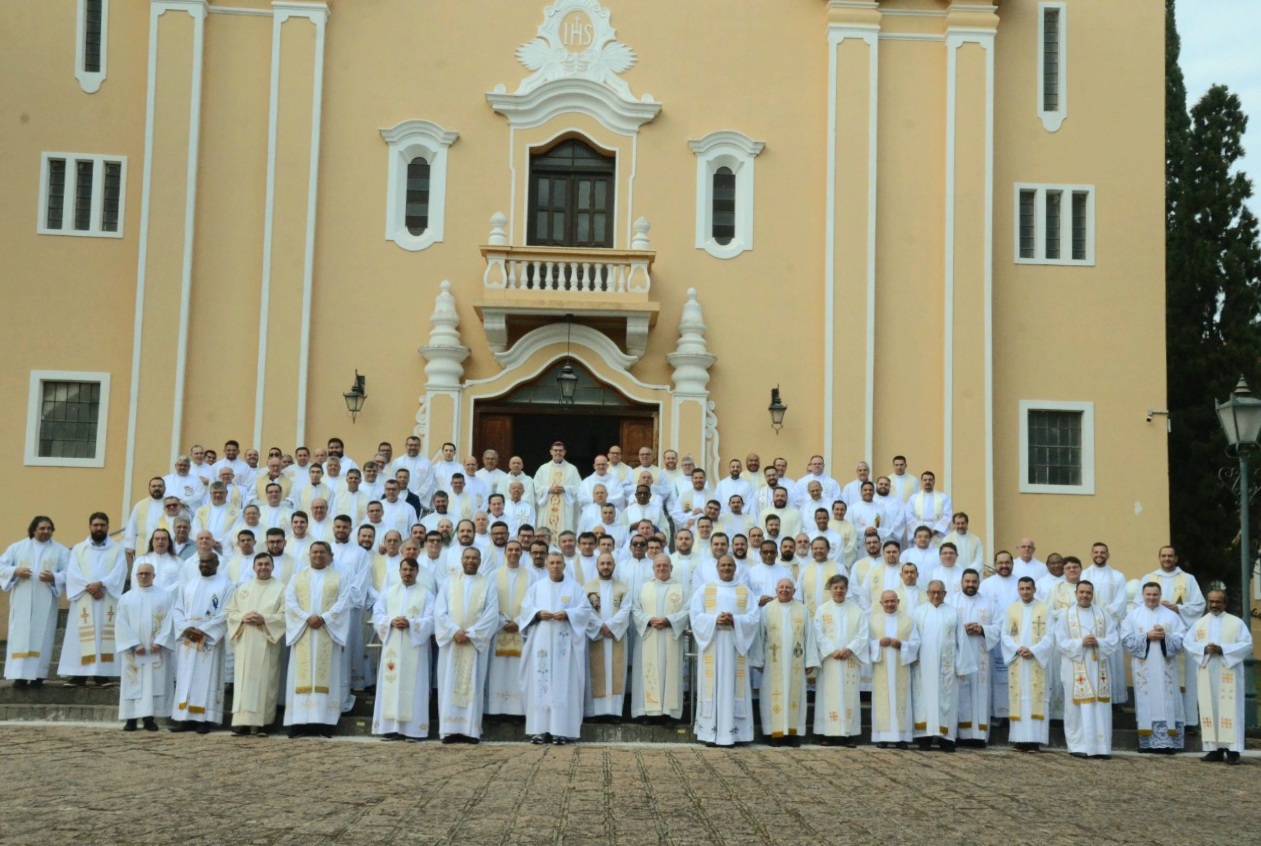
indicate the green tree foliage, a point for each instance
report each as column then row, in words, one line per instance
column 1213, row 283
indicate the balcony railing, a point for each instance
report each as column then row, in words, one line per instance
column 568, row 271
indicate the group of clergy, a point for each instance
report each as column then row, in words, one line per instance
column 557, row 638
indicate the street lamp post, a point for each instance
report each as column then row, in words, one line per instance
column 1240, row 416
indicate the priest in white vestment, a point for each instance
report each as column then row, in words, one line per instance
column 660, row 616
column 1219, row 643
column 1180, row 593
column 466, row 618
column 725, row 620
column 146, row 516
column 894, row 647
column 945, row 658
column 1027, row 643
column 788, row 652
column 841, row 629
column 814, row 578
column 318, row 602
column 503, row 681
column 929, row 507
column 1086, row 638
column 95, row 575
column 611, row 604
column 1002, row 590
column 168, row 568
column 256, row 637
column 1152, row 635
column 1110, row 595
column 554, row 619
column 145, row 686
column 33, row 573
column 403, row 618
column 982, row 623
column 556, row 487
column 197, row 631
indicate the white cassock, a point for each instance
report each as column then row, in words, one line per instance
column 659, row 663
column 145, row 686
column 971, row 552
column 556, row 511
column 891, row 714
column 1086, row 674
column 200, row 603
column 729, row 487
column 1154, row 666
column 812, row 584
column 146, row 516
column 554, row 665
column 256, row 650
column 1221, row 679
column 763, row 578
column 167, row 570
column 788, row 651
column 88, row 646
column 32, row 606
column 945, row 658
column 1059, row 597
column 402, row 698
column 1003, row 592
column 314, row 681
column 471, row 604
column 355, row 564
column 1026, row 624
column 503, row 682
column 1110, row 595
column 839, row 626
column 932, row 510
column 1181, row 588
column 518, row 514
column 606, row 656
column 586, row 491
column 927, row 560
column 974, row 688
column 725, row 692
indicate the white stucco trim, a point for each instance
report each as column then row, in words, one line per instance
column 559, row 96
column 34, row 404
column 1052, row 120
column 70, row 191
column 91, row 81
column 407, row 140
column 736, row 151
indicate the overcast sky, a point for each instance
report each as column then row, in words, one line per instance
column 1221, row 43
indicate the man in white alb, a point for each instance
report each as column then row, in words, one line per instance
column 659, row 615
column 317, row 627
column 33, row 573
column 1085, row 637
column 256, row 636
column 555, row 616
column 197, row 634
column 556, row 487
column 724, row 616
column 145, row 689
column 945, row 658
column 1027, row 644
column 403, row 618
column 95, row 575
column 1219, row 643
column 1152, row 634
column 466, row 618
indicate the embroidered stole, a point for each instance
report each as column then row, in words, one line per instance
column 710, row 679
column 318, row 640
column 1084, row 690
column 840, row 622
column 784, row 719
column 656, row 700
column 880, row 681
column 1016, row 670
column 83, row 611
column 465, row 654
column 508, row 644
column 1223, row 730
column 398, row 662
column 595, row 653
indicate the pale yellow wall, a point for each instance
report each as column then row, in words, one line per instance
column 756, row 69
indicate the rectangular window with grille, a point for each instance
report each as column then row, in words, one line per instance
column 82, row 195
column 66, row 418
column 1057, row 447
column 1055, row 224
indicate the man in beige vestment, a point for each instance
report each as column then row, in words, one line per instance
column 840, row 631
column 556, row 484
column 318, row 602
column 256, row 633
column 660, row 616
column 1218, row 644
column 894, row 645
column 607, row 653
column 788, row 650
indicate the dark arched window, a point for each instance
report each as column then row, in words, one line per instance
column 724, row 211
column 416, row 215
column 571, row 196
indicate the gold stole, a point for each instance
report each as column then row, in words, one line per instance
column 861, row 570
column 556, row 502
column 595, row 654
column 783, row 720
column 260, row 486
column 711, row 605
column 655, row 702
column 465, row 654
column 323, row 640
column 1015, row 670
column 1084, row 691
column 1063, row 596
column 508, row 644
column 82, row 611
column 398, row 670
column 880, row 681
column 849, row 615
column 378, row 572
column 814, row 585
column 1223, row 731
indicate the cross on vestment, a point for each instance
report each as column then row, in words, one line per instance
column 84, row 616
column 775, row 651
column 109, row 615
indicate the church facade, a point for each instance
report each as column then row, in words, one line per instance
column 936, row 227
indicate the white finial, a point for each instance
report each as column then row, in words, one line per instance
column 498, row 230
column 640, row 240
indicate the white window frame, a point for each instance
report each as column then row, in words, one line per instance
column 407, row 140
column 734, row 150
column 90, row 82
column 1066, row 224
column 1051, row 120
column 98, row 195
column 1087, row 409
column 34, row 405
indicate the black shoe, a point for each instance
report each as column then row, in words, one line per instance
column 180, row 726
column 204, row 728
column 130, row 725
column 903, row 745
column 948, row 746
column 557, row 740
column 1232, row 758
column 794, row 742
column 102, row 681
column 539, row 739
column 240, row 731
column 882, row 746
column 296, row 731
column 1101, row 757
column 325, row 731
column 149, row 724
column 1035, row 747
column 1215, row 755
column 924, row 743
column 37, row 683
column 709, row 744
column 258, row 731
column 450, row 738
column 1079, row 754
column 76, row 681
column 392, row 736
column 20, row 683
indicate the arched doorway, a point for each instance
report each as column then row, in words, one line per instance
column 529, row 418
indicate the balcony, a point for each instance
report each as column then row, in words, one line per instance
column 525, row 287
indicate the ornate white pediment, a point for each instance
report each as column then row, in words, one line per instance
column 575, row 62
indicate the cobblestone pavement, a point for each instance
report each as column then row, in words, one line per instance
column 90, row 785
